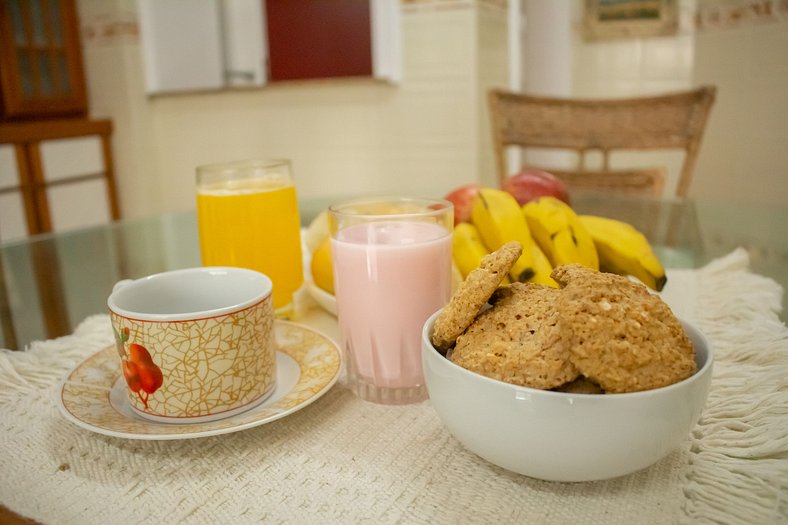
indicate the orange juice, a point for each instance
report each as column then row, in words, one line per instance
column 253, row 224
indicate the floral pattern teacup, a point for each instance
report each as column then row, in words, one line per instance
column 195, row 344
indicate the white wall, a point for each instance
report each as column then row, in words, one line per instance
column 431, row 132
column 745, row 152
column 114, row 74
column 492, row 72
column 422, row 136
column 558, row 61
column 737, row 45
column 633, row 66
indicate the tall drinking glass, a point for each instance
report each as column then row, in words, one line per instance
column 392, row 270
column 248, row 217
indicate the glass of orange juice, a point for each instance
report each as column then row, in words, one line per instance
column 248, row 217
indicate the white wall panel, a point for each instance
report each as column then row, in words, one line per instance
column 244, row 50
column 181, row 44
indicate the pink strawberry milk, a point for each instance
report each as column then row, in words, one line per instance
column 392, row 270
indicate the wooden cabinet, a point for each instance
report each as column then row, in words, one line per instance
column 57, row 169
column 41, row 72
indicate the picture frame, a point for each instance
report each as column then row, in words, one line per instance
column 607, row 19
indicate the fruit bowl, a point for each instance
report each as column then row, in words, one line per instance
column 558, row 436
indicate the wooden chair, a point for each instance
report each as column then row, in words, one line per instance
column 30, row 138
column 648, row 123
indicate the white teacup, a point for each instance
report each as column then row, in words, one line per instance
column 195, row 344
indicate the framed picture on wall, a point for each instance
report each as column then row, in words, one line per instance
column 604, row 19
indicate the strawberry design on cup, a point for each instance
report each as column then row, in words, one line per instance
column 142, row 375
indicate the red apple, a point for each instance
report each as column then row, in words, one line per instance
column 532, row 183
column 462, row 198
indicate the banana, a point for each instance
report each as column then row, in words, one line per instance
column 559, row 233
column 499, row 219
column 542, row 268
column 624, row 250
column 467, row 248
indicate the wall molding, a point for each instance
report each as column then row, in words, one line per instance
column 106, row 29
column 720, row 16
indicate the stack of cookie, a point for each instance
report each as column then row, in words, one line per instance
column 597, row 333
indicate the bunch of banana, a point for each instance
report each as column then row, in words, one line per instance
column 559, row 233
column 624, row 250
column 467, row 248
column 498, row 219
column 551, row 234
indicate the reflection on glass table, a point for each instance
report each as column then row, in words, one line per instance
column 50, row 283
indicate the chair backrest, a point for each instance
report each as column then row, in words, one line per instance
column 41, row 143
column 669, row 121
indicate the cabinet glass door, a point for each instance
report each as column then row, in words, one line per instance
column 40, row 57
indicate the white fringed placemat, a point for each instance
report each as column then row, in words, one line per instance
column 341, row 460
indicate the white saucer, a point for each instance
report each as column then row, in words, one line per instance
column 93, row 394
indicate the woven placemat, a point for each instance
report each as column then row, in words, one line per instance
column 342, row 460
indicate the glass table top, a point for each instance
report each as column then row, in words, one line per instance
column 50, row 283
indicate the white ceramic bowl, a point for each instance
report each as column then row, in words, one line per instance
column 565, row 437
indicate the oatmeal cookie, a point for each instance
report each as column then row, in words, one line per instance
column 472, row 294
column 581, row 385
column 518, row 340
column 620, row 336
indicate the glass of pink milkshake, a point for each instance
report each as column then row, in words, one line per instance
column 392, row 270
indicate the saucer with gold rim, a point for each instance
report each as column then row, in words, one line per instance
column 93, row 394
